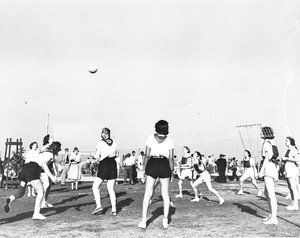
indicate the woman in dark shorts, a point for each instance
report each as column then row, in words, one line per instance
column 31, row 173
column 106, row 152
column 159, row 163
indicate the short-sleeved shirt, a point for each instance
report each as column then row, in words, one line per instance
column 30, row 155
column 159, row 149
column 267, row 148
column 104, row 150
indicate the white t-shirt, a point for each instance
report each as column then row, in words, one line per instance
column 41, row 158
column 267, row 149
column 75, row 158
column 103, row 150
column 159, row 149
column 30, row 155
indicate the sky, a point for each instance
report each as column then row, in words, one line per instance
column 153, row 57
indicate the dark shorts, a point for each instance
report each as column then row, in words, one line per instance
column 31, row 171
column 107, row 169
column 158, row 168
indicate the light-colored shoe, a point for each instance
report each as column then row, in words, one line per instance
column 178, row 196
column 38, row 217
column 292, row 208
column 266, row 218
column 142, row 224
column 49, row 205
column 240, row 192
column 165, row 223
column 195, row 200
column 97, row 209
column 221, row 201
column 271, row 222
column 259, row 194
column 44, row 205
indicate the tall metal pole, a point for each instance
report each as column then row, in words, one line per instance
column 47, row 124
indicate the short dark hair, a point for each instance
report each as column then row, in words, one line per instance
column 32, row 143
column 162, row 127
column 55, row 147
column 198, row 154
column 46, row 139
column 292, row 140
column 187, row 148
column 267, row 133
column 248, row 152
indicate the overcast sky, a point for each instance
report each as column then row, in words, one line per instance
column 152, row 55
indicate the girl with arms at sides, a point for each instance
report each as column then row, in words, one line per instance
column 291, row 171
column 269, row 171
column 106, row 153
column 158, row 163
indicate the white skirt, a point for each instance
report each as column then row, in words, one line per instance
column 74, row 173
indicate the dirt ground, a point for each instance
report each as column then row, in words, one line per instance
column 239, row 216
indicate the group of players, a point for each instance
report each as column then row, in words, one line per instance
column 159, row 168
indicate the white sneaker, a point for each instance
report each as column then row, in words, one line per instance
column 240, row 192
column 221, row 201
column 178, row 196
column 165, row 223
column 292, row 208
column 259, row 194
column 49, row 205
column 38, row 217
column 142, row 224
column 271, row 222
column 195, row 200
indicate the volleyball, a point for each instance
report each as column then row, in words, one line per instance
column 93, row 68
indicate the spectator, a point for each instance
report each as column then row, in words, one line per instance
column 140, row 167
column 128, row 163
column 74, row 173
column 66, row 165
column 221, row 166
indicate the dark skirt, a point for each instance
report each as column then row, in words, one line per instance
column 31, row 171
column 158, row 168
column 107, row 169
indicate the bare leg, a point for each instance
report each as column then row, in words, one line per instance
column 166, row 199
column 112, row 195
column 147, row 196
column 96, row 191
column 271, row 198
column 38, row 186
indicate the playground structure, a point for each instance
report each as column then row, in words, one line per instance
column 13, row 161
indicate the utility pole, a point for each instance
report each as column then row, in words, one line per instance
column 47, row 124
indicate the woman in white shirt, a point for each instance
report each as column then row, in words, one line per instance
column 269, row 171
column 106, row 153
column 291, row 171
column 158, row 163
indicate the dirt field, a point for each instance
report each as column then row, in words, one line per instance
column 239, row 216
